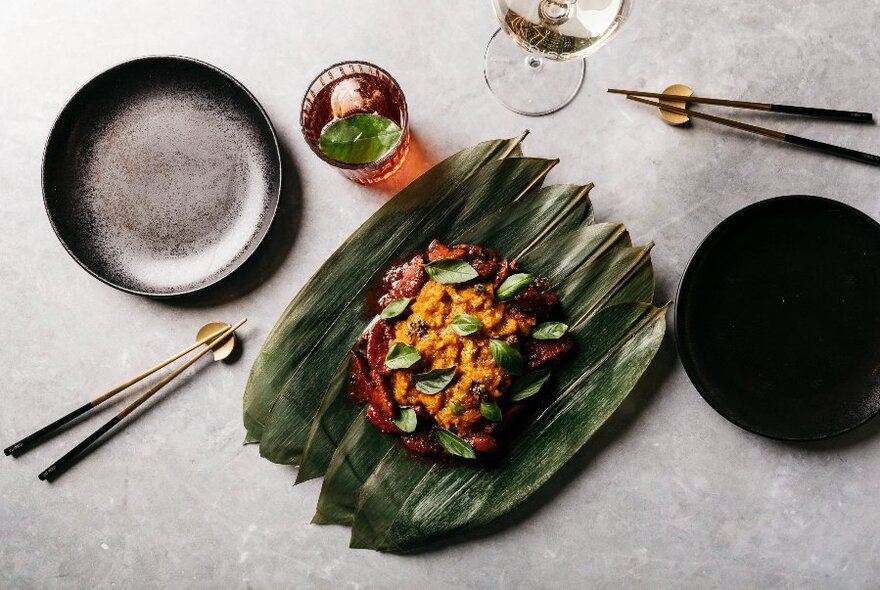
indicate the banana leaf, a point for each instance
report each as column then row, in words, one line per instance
column 407, row 506
column 268, row 375
column 333, row 330
column 550, row 210
column 616, row 272
column 295, row 404
column 541, row 213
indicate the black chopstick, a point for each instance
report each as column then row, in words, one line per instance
column 827, row 148
column 819, row 113
column 32, row 440
column 37, row 437
column 76, row 453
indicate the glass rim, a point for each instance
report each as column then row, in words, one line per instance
column 623, row 16
column 404, row 128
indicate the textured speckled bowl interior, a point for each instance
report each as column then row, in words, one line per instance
column 161, row 176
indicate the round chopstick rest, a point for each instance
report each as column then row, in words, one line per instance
column 675, row 118
column 225, row 349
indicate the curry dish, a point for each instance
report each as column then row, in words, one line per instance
column 447, row 348
column 479, row 378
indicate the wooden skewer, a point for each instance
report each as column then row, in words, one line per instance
column 72, row 456
column 786, row 137
column 834, row 114
column 37, row 437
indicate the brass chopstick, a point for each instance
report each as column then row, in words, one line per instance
column 779, row 135
column 75, row 454
column 833, row 114
column 32, row 440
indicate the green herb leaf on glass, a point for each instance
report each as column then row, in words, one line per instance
column 450, row 271
column 506, row 357
column 359, row 139
column 407, row 420
column 490, row 411
column 528, row 385
column 401, row 356
column 513, row 286
column 395, row 308
column 455, row 445
column 464, row 324
column 549, row 331
column 456, row 409
column 434, row 381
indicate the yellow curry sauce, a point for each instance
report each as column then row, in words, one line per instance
column 428, row 329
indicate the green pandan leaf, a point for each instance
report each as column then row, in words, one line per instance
column 506, row 356
column 490, row 411
column 465, row 324
column 434, row 381
column 549, row 331
column 401, row 356
column 395, row 308
column 450, row 271
column 513, row 286
column 407, row 420
column 359, row 139
column 455, row 445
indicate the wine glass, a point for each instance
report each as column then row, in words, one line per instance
column 538, row 67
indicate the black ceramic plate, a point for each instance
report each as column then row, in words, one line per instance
column 161, row 175
column 778, row 318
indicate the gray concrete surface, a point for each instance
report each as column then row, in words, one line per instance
column 668, row 495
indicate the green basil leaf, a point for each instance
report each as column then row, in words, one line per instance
column 455, row 445
column 464, row 324
column 395, row 308
column 513, row 286
column 434, row 380
column 506, row 357
column 401, row 356
column 490, row 411
column 456, row 409
column 549, row 331
column 359, row 139
column 528, row 385
column 407, row 421
column 450, row 271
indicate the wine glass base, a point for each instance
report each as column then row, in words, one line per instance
column 526, row 83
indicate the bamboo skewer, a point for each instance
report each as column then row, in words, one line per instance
column 73, row 456
column 827, row 148
column 834, row 114
column 37, row 437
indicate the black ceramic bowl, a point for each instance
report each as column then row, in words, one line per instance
column 161, row 175
column 778, row 318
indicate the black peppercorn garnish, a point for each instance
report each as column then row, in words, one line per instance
column 417, row 328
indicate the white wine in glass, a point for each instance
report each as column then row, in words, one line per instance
column 538, row 67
